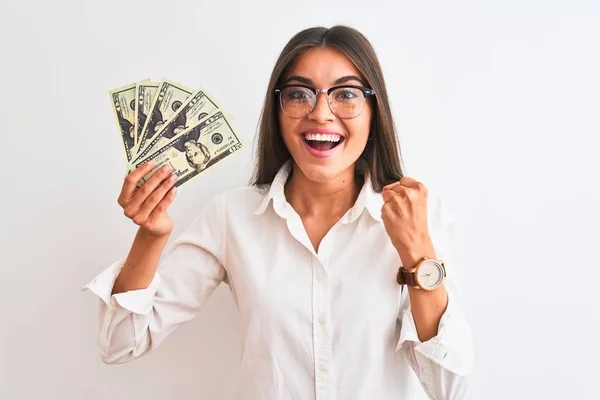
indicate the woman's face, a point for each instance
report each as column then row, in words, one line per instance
column 323, row 68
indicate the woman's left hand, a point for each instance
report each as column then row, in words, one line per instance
column 404, row 215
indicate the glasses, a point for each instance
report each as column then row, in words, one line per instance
column 345, row 102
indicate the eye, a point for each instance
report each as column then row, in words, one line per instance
column 299, row 94
column 296, row 94
column 346, row 94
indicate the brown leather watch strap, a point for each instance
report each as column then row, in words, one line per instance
column 405, row 277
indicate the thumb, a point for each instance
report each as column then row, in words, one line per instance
column 390, row 186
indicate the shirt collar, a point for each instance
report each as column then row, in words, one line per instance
column 367, row 198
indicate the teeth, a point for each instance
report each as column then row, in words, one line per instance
column 323, row 137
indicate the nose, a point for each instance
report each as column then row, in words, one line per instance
column 321, row 113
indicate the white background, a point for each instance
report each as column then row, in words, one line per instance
column 497, row 104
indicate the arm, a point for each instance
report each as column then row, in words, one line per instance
column 140, row 266
column 435, row 336
column 136, row 321
column 427, row 307
column 142, row 301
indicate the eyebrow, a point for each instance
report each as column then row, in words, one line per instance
column 339, row 81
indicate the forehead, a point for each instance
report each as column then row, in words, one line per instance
column 323, row 66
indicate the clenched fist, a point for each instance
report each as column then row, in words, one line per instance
column 404, row 215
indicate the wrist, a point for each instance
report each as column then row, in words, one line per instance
column 412, row 251
column 147, row 235
column 410, row 258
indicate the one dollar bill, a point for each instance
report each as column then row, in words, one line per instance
column 195, row 149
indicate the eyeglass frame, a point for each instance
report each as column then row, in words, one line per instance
column 367, row 92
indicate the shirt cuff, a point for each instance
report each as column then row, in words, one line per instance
column 451, row 347
column 138, row 301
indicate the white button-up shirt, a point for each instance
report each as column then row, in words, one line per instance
column 332, row 324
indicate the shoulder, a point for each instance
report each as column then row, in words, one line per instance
column 244, row 195
column 239, row 200
column 234, row 206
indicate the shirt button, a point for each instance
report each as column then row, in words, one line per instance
column 319, row 275
column 323, row 367
column 322, row 320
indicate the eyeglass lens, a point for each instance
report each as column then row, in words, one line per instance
column 345, row 102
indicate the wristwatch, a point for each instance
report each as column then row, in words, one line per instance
column 428, row 274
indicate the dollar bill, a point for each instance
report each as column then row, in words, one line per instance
column 123, row 105
column 145, row 92
column 169, row 98
column 195, row 149
column 197, row 107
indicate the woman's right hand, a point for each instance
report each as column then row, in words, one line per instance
column 147, row 205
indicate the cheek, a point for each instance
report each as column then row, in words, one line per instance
column 359, row 128
column 288, row 127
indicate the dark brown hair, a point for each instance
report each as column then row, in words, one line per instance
column 381, row 157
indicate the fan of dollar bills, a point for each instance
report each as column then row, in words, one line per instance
column 172, row 124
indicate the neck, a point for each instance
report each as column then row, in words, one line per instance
column 322, row 199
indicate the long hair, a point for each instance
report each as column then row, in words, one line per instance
column 381, row 157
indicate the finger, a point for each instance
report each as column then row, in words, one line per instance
column 156, row 197
column 389, row 213
column 390, row 186
column 133, row 178
column 408, row 185
column 408, row 181
column 386, row 210
column 389, row 195
column 149, row 186
column 164, row 204
column 400, row 189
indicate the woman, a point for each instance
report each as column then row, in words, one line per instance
column 311, row 250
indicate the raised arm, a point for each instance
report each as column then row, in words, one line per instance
column 143, row 300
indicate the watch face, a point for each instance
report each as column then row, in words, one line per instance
column 430, row 275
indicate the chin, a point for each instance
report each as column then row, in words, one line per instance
column 321, row 173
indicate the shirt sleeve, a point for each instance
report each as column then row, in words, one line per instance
column 443, row 363
column 133, row 323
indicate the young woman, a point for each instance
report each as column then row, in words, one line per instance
column 339, row 264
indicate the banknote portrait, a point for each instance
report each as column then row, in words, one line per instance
column 196, row 153
column 176, row 126
column 156, row 122
column 127, row 131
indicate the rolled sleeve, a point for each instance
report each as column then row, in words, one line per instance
column 138, row 301
column 451, row 348
column 102, row 285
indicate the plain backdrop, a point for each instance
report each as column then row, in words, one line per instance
column 497, row 105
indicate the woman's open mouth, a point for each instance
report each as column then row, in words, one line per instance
column 322, row 144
